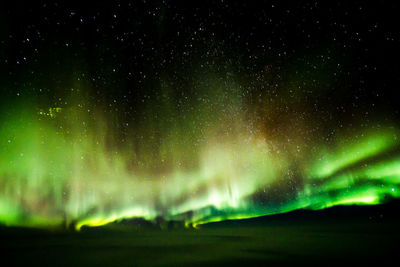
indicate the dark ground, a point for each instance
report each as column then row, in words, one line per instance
column 341, row 235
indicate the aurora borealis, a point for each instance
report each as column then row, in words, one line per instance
column 147, row 111
column 58, row 173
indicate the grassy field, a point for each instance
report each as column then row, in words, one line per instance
column 231, row 243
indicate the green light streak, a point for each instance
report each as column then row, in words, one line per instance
column 347, row 154
column 99, row 220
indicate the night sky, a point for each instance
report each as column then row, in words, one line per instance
column 196, row 112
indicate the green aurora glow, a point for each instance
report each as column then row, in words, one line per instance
column 65, row 167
